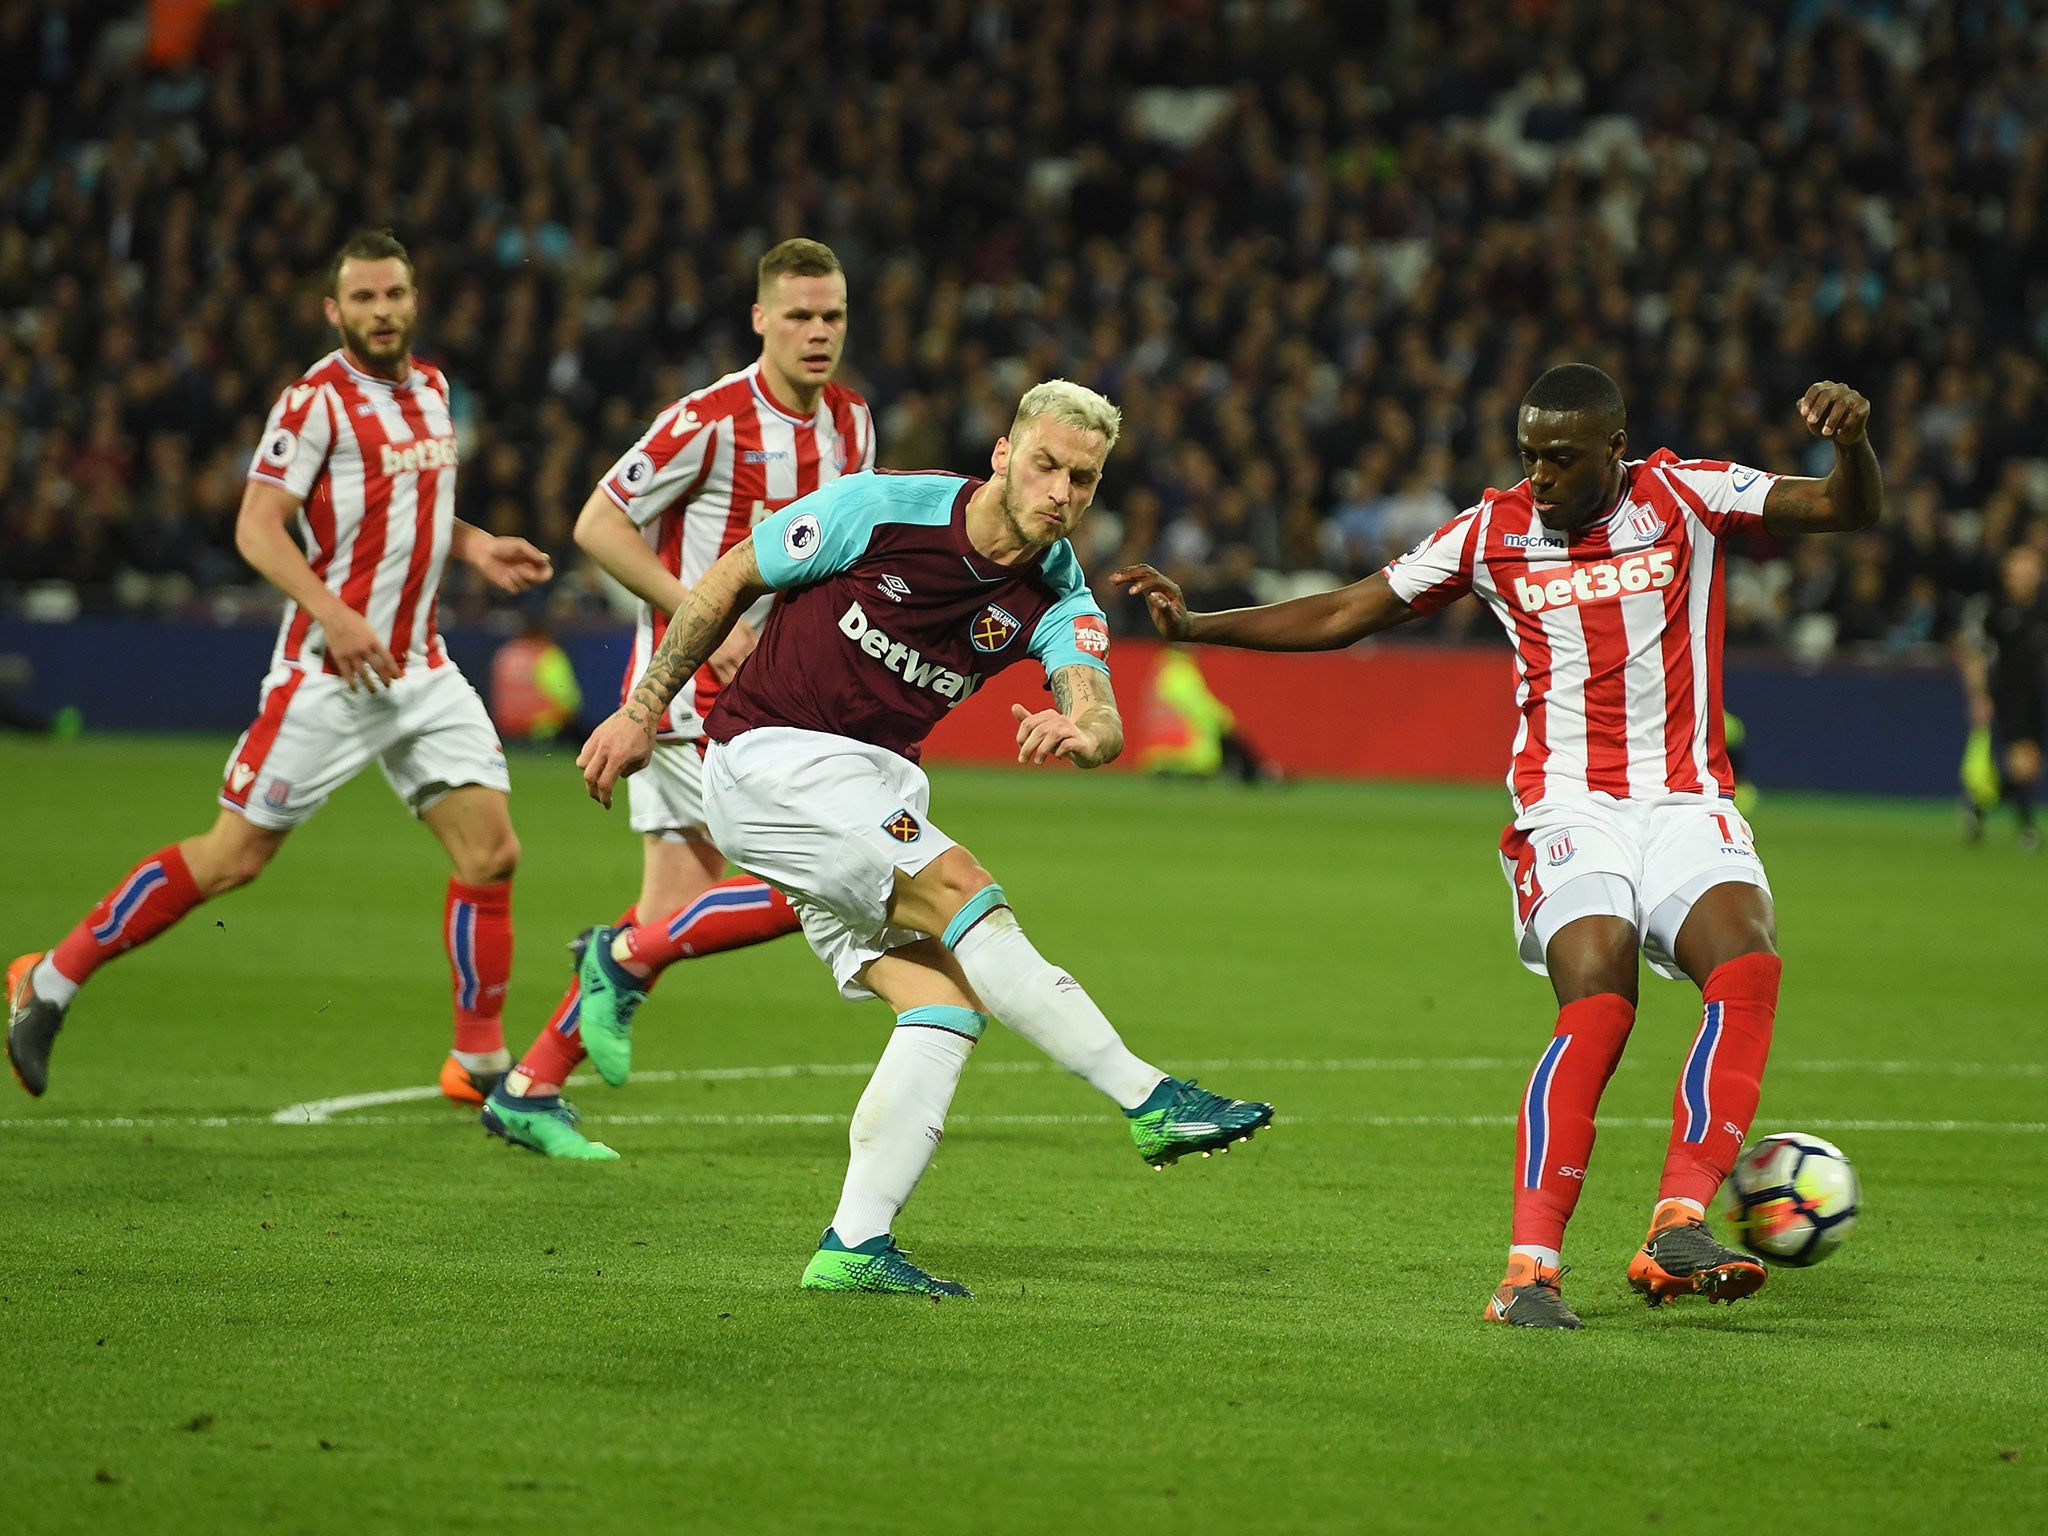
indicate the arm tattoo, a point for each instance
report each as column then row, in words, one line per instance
column 694, row 633
column 1063, row 691
column 1084, row 696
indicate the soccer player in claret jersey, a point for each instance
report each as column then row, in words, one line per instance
column 711, row 466
column 1606, row 572
column 900, row 595
column 350, row 512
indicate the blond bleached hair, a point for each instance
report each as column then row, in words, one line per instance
column 1075, row 404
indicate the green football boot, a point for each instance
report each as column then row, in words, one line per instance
column 611, row 996
column 875, row 1265
column 546, row 1125
column 1180, row 1118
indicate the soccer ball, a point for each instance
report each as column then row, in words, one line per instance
column 1794, row 1198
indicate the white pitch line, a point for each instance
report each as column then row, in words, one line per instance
column 321, row 1111
column 1486, row 1122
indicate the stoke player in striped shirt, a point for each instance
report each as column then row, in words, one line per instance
column 710, row 467
column 350, row 512
column 1607, row 574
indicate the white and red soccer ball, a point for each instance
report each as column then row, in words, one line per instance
column 1793, row 1198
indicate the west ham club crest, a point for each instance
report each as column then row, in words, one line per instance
column 992, row 629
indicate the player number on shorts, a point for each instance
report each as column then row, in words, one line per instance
column 1729, row 834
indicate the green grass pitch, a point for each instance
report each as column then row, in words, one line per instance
column 212, row 1322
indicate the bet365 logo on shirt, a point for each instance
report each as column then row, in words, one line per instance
column 1600, row 580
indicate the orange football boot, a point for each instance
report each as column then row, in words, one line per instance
column 1682, row 1258
column 462, row 1086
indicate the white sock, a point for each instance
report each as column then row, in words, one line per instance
column 1047, row 1007
column 484, row 1061
column 52, row 984
column 897, row 1127
column 1546, row 1258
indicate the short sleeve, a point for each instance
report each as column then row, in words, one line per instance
column 817, row 535
column 296, row 440
column 667, row 463
column 1438, row 571
column 1727, row 498
column 1073, row 633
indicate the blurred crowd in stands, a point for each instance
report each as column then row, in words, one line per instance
column 1316, row 249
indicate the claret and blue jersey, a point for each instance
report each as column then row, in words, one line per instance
column 889, row 616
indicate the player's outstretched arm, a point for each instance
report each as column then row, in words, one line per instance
column 625, row 742
column 510, row 564
column 263, row 537
column 1325, row 621
column 1084, row 727
column 1850, row 498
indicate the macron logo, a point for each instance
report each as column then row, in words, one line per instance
column 1599, row 581
column 427, row 453
column 901, row 659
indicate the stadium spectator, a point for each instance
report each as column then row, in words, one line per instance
column 1282, row 233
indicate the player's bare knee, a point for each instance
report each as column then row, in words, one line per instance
column 490, row 862
column 1576, row 985
column 1592, row 956
column 960, row 873
column 952, row 879
column 229, row 854
column 1728, row 922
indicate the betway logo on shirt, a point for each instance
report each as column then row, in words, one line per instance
column 901, row 659
column 426, row 453
column 1603, row 579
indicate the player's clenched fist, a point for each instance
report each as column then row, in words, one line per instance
column 1835, row 411
column 620, row 746
column 1163, row 598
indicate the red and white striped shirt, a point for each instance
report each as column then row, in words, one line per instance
column 373, row 464
column 1616, row 628
column 714, row 464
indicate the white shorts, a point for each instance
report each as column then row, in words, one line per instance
column 827, row 821
column 1645, row 861
column 666, row 798
column 428, row 731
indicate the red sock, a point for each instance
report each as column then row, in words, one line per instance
column 730, row 915
column 1723, row 1078
column 477, row 924
column 1555, row 1137
column 152, row 896
column 559, row 1046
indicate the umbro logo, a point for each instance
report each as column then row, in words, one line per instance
column 893, row 587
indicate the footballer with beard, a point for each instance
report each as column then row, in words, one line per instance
column 350, row 513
